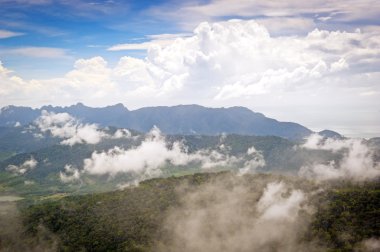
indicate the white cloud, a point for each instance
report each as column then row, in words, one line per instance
column 287, row 25
column 65, row 126
column 266, row 64
column 9, row 83
column 339, row 65
column 357, row 164
column 24, row 167
column 9, row 34
column 132, row 46
column 122, row 133
column 147, row 159
column 90, row 73
column 144, row 159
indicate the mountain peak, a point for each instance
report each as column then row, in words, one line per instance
column 117, row 106
column 330, row 134
column 79, row 104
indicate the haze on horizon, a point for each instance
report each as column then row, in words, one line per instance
column 314, row 63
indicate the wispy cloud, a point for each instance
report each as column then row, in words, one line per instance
column 32, row 28
column 80, row 8
column 155, row 40
column 133, row 46
column 26, row 2
column 38, row 52
column 9, row 34
column 190, row 13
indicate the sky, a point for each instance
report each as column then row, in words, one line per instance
column 312, row 62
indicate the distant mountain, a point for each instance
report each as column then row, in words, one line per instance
column 181, row 119
column 330, row 134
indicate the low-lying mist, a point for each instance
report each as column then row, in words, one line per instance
column 233, row 214
column 267, row 213
column 154, row 152
column 206, row 212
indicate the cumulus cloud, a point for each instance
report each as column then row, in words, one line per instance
column 65, row 126
column 144, row 159
column 91, row 73
column 9, row 82
column 265, row 62
column 232, row 216
column 357, row 162
column 24, row 167
column 147, row 159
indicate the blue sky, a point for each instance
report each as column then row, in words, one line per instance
column 292, row 60
column 78, row 28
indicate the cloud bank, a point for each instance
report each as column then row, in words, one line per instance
column 147, row 159
column 357, row 163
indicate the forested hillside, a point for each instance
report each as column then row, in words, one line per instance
column 150, row 217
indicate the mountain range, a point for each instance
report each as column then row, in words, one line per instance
column 181, row 119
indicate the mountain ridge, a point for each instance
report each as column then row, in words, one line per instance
column 180, row 119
